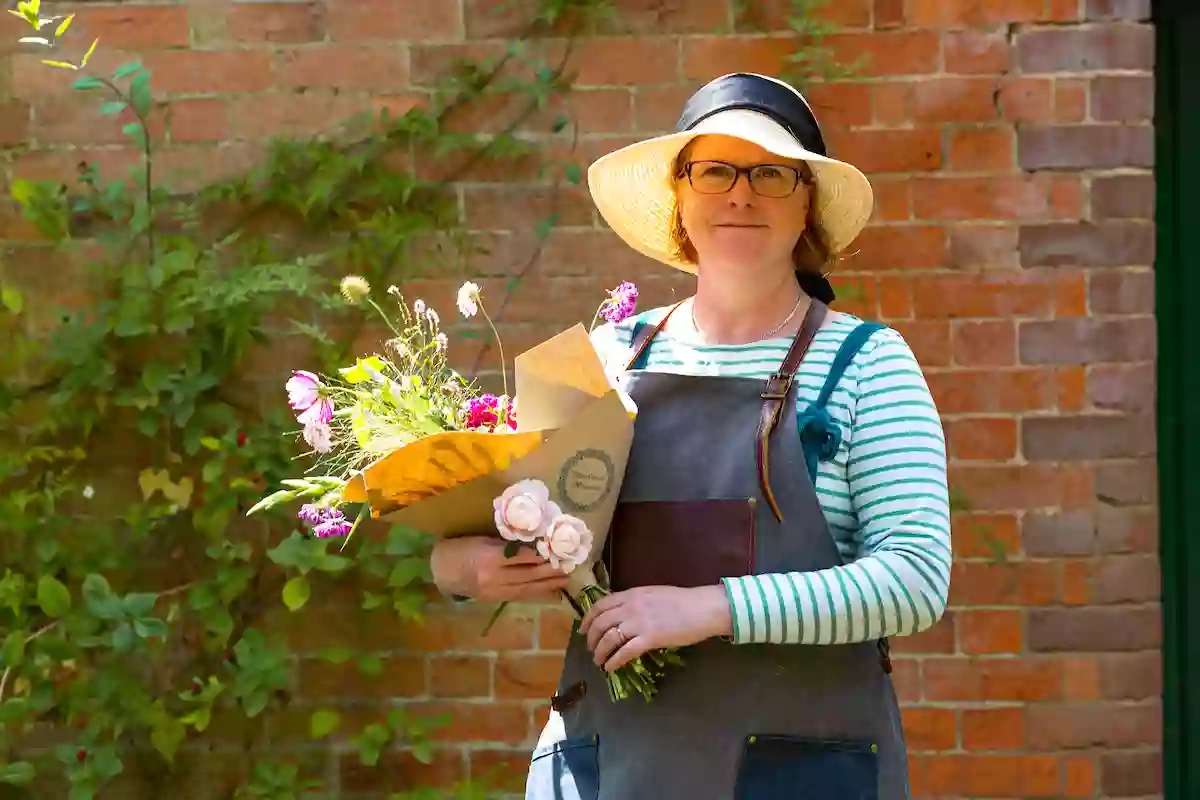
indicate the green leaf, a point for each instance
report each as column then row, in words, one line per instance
column 53, row 596
column 87, row 83
column 18, row 773
column 210, row 443
column 12, row 299
column 407, row 571
column 139, row 604
column 423, row 752
column 139, row 94
column 167, row 736
column 323, row 723
column 573, row 173
column 296, row 593
column 123, row 638
column 14, row 649
column 125, row 70
column 371, row 742
column 111, row 107
column 150, row 628
column 370, row 664
column 99, row 598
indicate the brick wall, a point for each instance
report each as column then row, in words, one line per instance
column 1010, row 145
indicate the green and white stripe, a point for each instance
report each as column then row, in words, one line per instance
column 885, row 494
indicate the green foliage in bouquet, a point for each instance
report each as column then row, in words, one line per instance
column 140, row 612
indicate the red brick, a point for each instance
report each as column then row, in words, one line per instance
column 974, row 13
column 399, row 771
column 990, row 631
column 893, row 198
column 929, row 340
column 360, row 20
column 126, row 26
column 985, row 343
column 993, row 775
column 892, row 103
column 1027, row 99
column 14, row 123
column 1002, row 295
column 292, row 114
column 955, row 100
column 887, row 53
column 460, row 676
column 1081, row 679
column 1082, row 725
column 904, row 247
column 620, row 61
column 210, row 71
column 1072, row 388
column 970, row 52
column 876, row 151
column 840, row 103
column 198, row 119
column 775, row 15
column 533, row 676
column 895, row 297
column 1037, row 197
column 705, row 58
column 337, row 66
column 497, row 721
column 1003, row 579
column 1079, row 776
column 982, row 438
column 1084, row 49
column 981, row 149
column 277, row 22
column 1070, row 100
column 1011, row 488
column 993, row 728
column 985, row 536
column 929, row 728
column 989, row 245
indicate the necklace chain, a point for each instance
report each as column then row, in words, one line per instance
column 766, row 335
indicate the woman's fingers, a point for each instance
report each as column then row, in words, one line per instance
column 607, row 643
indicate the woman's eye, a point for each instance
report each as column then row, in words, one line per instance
column 716, row 171
column 769, row 172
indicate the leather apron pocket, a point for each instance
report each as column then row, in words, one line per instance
column 775, row 767
column 565, row 770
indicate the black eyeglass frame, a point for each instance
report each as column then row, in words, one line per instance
column 802, row 174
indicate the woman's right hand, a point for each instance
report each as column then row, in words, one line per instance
column 476, row 567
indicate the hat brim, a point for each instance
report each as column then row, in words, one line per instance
column 633, row 187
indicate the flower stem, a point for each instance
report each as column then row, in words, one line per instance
column 499, row 345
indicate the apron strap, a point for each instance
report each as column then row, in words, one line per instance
column 643, row 333
column 776, row 391
column 819, row 434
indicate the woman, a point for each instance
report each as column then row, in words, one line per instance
column 785, row 507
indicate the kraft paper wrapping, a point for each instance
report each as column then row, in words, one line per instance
column 575, row 431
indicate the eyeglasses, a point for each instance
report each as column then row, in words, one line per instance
column 766, row 180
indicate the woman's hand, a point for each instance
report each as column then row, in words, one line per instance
column 624, row 625
column 476, row 567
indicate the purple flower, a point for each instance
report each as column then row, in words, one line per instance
column 332, row 528
column 311, row 514
column 325, row 522
column 621, row 303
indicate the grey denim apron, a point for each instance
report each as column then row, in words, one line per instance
column 714, row 487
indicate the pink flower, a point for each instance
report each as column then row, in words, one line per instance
column 524, row 511
column 621, row 303
column 483, row 413
column 306, row 394
column 567, row 542
column 303, row 388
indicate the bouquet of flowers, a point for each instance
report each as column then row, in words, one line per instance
column 415, row 443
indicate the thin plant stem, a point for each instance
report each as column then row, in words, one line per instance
column 499, row 345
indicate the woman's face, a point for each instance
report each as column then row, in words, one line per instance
column 740, row 226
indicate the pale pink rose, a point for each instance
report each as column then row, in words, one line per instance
column 524, row 511
column 567, row 542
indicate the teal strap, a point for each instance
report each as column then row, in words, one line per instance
column 820, row 435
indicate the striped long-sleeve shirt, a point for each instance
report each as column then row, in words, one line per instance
column 884, row 495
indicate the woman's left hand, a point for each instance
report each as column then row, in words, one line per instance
column 623, row 625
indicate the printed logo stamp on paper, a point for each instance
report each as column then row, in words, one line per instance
column 585, row 480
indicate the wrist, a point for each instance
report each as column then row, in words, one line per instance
column 715, row 604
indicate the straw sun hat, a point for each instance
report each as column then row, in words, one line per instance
column 634, row 189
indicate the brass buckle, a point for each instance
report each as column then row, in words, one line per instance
column 778, row 394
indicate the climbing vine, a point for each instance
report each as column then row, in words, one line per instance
column 139, row 609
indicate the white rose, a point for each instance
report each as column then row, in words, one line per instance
column 567, row 542
column 524, row 511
